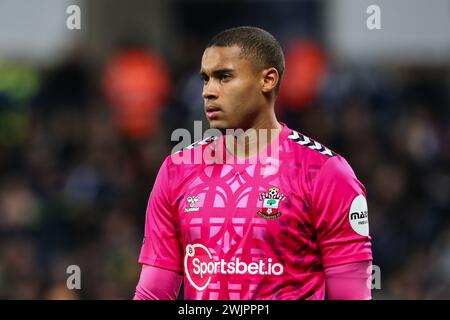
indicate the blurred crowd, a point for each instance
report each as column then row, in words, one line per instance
column 79, row 152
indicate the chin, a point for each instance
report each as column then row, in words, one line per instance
column 218, row 124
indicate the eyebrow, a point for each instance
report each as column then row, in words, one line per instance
column 217, row 72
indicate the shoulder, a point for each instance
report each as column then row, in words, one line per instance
column 318, row 160
column 311, row 154
column 193, row 154
column 310, row 146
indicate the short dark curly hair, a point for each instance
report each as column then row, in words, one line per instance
column 256, row 44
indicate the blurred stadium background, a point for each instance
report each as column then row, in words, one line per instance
column 86, row 117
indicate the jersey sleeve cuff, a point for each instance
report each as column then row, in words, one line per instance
column 339, row 260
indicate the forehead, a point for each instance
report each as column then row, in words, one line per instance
column 215, row 58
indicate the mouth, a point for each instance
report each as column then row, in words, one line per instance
column 212, row 111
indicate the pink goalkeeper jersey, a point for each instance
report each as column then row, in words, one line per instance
column 263, row 230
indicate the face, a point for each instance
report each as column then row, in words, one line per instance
column 231, row 88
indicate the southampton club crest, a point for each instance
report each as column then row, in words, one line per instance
column 271, row 201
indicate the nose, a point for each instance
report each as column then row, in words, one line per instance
column 210, row 91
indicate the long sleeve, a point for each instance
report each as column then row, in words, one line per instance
column 158, row 284
column 349, row 281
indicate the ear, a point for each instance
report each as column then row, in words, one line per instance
column 269, row 80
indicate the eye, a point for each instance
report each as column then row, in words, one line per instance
column 189, row 199
column 204, row 78
column 225, row 76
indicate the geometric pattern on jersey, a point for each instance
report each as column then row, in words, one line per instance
column 232, row 191
column 308, row 142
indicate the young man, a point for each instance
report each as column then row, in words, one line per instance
column 291, row 226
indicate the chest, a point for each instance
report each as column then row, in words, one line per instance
column 231, row 204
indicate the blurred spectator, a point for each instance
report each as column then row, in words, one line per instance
column 137, row 85
column 305, row 68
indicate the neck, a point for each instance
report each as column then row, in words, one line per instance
column 255, row 138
